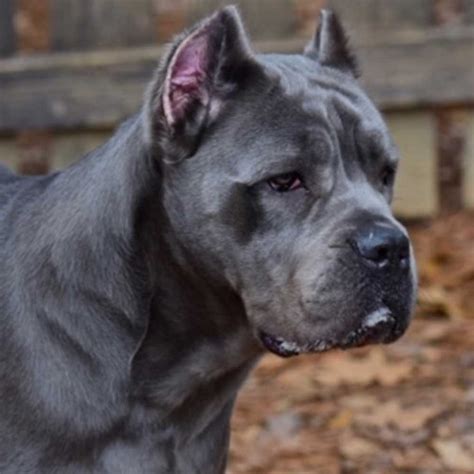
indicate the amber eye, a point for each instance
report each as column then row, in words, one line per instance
column 388, row 176
column 285, row 182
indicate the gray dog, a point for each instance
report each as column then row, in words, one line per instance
column 245, row 207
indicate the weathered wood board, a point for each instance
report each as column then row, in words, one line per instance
column 415, row 190
column 410, row 66
column 414, row 132
column 9, row 153
column 77, row 90
column 68, row 148
column 64, row 149
column 363, row 18
column 86, row 90
column 468, row 188
column 93, row 24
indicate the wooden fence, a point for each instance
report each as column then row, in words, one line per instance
column 71, row 70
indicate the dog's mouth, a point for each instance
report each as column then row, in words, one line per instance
column 284, row 348
column 378, row 327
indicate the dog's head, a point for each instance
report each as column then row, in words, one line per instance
column 277, row 175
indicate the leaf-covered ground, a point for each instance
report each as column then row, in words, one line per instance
column 403, row 408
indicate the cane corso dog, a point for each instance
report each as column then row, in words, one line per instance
column 245, row 208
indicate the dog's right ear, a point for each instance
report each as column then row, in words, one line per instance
column 330, row 45
column 201, row 71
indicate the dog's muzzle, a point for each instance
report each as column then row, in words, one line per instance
column 380, row 251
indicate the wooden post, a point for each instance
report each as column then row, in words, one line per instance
column 33, row 36
column 32, row 26
column 451, row 126
column 307, row 12
column 7, row 33
column 170, row 18
column 34, row 151
column 451, row 148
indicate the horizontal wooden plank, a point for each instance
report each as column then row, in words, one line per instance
column 435, row 70
column 67, row 148
column 98, row 89
column 264, row 19
column 77, row 90
column 91, row 24
column 373, row 15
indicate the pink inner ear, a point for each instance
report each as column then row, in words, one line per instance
column 186, row 77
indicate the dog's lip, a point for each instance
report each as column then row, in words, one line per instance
column 285, row 348
column 379, row 326
column 278, row 345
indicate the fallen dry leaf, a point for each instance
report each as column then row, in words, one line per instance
column 356, row 447
column 436, row 331
column 454, row 455
column 438, row 300
column 341, row 368
column 341, row 420
column 413, row 459
column 392, row 413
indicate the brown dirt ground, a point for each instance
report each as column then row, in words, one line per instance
column 403, row 408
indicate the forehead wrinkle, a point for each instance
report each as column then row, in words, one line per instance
column 347, row 114
column 376, row 143
column 315, row 87
column 365, row 131
column 301, row 76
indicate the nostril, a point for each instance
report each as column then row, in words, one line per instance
column 380, row 253
column 375, row 252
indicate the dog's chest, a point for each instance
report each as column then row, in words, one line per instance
column 194, row 439
column 171, row 451
column 203, row 455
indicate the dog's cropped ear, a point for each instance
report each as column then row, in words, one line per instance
column 202, row 70
column 330, row 46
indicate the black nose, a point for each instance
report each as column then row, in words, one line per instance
column 382, row 244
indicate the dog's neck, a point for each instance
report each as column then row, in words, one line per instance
column 165, row 343
column 195, row 356
column 198, row 347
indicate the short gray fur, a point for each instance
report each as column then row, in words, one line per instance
column 135, row 284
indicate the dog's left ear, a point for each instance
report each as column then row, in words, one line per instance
column 202, row 70
column 330, row 45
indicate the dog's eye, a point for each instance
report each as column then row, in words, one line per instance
column 286, row 182
column 388, row 176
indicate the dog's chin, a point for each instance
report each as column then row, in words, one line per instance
column 379, row 327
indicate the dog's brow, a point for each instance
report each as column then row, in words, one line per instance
column 376, row 145
column 270, row 166
column 386, row 150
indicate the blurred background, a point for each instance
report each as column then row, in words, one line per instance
column 71, row 70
